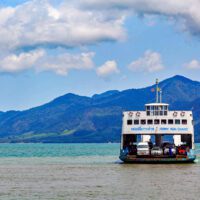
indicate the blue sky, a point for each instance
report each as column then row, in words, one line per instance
column 90, row 46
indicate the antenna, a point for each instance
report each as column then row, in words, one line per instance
column 157, row 90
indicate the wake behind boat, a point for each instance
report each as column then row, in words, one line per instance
column 145, row 134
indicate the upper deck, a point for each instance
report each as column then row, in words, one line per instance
column 157, row 119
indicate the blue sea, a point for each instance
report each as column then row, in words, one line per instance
column 90, row 171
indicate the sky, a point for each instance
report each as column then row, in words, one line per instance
column 52, row 47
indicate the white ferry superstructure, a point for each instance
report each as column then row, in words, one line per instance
column 150, row 127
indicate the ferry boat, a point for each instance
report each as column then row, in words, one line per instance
column 157, row 134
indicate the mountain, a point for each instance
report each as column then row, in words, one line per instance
column 74, row 118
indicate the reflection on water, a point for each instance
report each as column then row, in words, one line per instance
column 95, row 175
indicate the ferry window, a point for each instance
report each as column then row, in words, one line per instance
column 163, row 121
column 148, row 107
column 184, row 121
column 156, row 121
column 177, row 121
column 160, row 108
column 136, row 122
column 149, row 121
column 143, row 121
column 156, row 113
column 129, row 122
column 165, row 113
column 161, row 113
column 170, row 121
column 148, row 113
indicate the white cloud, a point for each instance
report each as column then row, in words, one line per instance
column 150, row 62
column 39, row 60
column 62, row 64
column 15, row 63
column 194, row 64
column 38, row 23
column 184, row 12
column 107, row 69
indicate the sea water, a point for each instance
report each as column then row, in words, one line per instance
column 90, row 171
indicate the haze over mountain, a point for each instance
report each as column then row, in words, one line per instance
column 74, row 118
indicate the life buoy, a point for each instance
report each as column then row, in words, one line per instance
column 175, row 114
column 138, row 114
column 182, row 114
column 130, row 114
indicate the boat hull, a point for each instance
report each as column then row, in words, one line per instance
column 149, row 159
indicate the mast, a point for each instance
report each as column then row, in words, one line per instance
column 157, row 90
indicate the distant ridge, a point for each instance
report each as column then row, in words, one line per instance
column 74, row 118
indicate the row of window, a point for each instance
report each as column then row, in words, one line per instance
column 157, row 108
column 156, row 113
column 156, row 121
